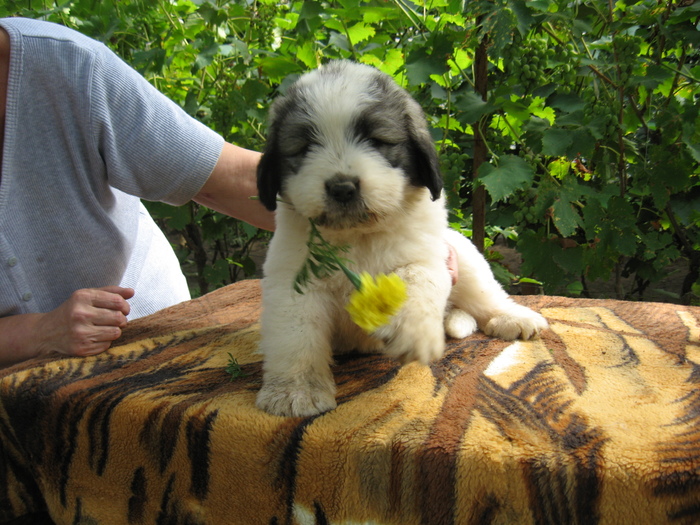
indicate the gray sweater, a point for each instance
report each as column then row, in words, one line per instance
column 85, row 137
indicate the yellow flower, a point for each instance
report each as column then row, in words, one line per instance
column 375, row 302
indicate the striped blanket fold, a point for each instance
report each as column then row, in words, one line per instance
column 598, row 421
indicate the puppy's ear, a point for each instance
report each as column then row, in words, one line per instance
column 270, row 168
column 427, row 164
column 270, row 174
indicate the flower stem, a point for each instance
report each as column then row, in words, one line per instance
column 332, row 252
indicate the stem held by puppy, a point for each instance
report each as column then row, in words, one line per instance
column 375, row 300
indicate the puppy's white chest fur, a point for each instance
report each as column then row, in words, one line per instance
column 363, row 167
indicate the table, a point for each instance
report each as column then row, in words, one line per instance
column 598, row 421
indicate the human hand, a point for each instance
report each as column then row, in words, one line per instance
column 452, row 263
column 87, row 323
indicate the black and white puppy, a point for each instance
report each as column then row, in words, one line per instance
column 350, row 149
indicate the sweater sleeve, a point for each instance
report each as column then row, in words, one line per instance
column 151, row 148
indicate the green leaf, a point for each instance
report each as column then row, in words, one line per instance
column 575, row 288
column 233, row 368
column 565, row 217
column 693, row 147
column 499, row 25
column 253, row 91
column 544, row 112
column 556, row 142
column 340, row 41
column 206, row 56
column 420, row 65
column 540, row 5
column 582, row 143
column 523, row 16
column 517, row 109
column 559, row 168
column 278, row 67
column 568, row 102
column 176, row 217
column 502, row 274
column 654, row 76
column 249, row 230
column 511, row 174
column 539, row 254
column 535, row 125
column 310, row 10
column 218, row 272
column 360, row 32
column 472, row 107
column 376, row 14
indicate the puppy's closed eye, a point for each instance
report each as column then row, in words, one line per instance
column 300, row 150
column 297, row 140
column 379, row 142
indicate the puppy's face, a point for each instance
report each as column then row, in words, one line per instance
column 346, row 147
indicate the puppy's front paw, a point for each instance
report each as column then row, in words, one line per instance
column 296, row 397
column 517, row 323
column 413, row 338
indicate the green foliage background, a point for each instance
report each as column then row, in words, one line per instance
column 586, row 113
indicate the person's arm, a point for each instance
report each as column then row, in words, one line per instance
column 231, row 185
column 86, row 324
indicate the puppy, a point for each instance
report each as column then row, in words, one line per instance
column 350, row 149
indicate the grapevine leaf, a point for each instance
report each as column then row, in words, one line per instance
column 472, row 107
column 420, row 65
column 582, row 143
column 567, row 102
column 559, row 168
column 375, row 14
column 524, row 18
column 499, row 26
column 175, row 217
column 535, row 125
column 693, row 148
column 556, row 141
column 511, row 174
column 307, row 54
column 565, row 217
column 217, row 272
column 360, row 32
column 540, row 5
column 539, row 253
column 654, row 76
column 278, row 67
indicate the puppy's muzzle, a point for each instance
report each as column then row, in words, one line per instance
column 343, row 189
column 344, row 207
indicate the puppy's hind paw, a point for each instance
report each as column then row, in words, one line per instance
column 520, row 323
column 283, row 397
column 459, row 324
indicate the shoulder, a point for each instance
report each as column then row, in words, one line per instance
column 41, row 43
column 28, row 28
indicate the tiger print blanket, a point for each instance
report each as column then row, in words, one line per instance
column 598, row 421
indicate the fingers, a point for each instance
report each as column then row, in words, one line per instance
column 452, row 263
column 126, row 293
column 111, row 298
column 90, row 320
column 95, row 342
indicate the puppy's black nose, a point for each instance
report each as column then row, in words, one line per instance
column 343, row 189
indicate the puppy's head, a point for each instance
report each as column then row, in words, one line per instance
column 346, row 146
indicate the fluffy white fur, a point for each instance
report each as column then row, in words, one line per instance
column 349, row 122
